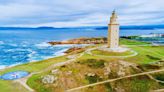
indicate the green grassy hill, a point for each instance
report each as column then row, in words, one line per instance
column 77, row 73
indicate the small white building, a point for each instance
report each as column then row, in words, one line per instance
column 153, row 35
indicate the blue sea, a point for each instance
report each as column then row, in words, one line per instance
column 23, row 46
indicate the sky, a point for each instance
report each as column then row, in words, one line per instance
column 73, row 13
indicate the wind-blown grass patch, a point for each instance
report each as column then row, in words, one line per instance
column 107, row 53
column 93, row 63
column 35, row 83
column 135, row 84
column 92, row 79
column 132, row 42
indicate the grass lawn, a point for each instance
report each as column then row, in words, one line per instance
column 9, row 86
column 146, row 55
column 35, row 66
column 35, row 83
column 107, row 53
column 132, row 42
column 136, row 84
column 160, row 77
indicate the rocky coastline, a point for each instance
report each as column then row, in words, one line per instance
column 101, row 40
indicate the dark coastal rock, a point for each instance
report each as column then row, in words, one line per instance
column 101, row 40
column 73, row 49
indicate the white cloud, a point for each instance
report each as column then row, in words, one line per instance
column 61, row 13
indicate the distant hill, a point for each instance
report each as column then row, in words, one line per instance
column 25, row 28
column 142, row 27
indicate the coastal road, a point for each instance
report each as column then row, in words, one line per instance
column 158, row 90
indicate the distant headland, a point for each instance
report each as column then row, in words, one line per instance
column 127, row 27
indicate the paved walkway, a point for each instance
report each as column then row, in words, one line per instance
column 112, row 80
column 158, row 90
column 23, row 82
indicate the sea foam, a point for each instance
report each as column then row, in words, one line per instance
column 2, row 66
column 1, row 42
column 60, row 53
column 42, row 45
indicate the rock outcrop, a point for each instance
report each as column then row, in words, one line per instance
column 49, row 79
column 81, row 41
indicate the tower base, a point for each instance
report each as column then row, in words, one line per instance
column 118, row 49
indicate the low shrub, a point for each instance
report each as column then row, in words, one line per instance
column 92, row 79
column 93, row 63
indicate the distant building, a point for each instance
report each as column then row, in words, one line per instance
column 154, row 35
column 113, row 31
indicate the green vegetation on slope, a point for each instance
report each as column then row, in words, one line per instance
column 92, row 79
column 147, row 54
column 106, row 53
column 9, row 86
column 132, row 42
column 136, row 84
column 36, row 84
column 93, row 63
column 160, row 77
column 35, row 66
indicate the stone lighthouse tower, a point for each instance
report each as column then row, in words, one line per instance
column 113, row 31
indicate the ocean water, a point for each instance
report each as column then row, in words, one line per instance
column 23, row 46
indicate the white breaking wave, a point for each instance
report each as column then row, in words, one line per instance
column 33, row 58
column 64, row 45
column 9, row 66
column 31, row 55
column 1, row 42
column 15, row 64
column 60, row 53
column 15, row 45
column 42, row 45
column 71, row 45
column 17, row 49
column 2, row 66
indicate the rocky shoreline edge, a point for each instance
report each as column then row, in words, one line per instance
column 100, row 40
